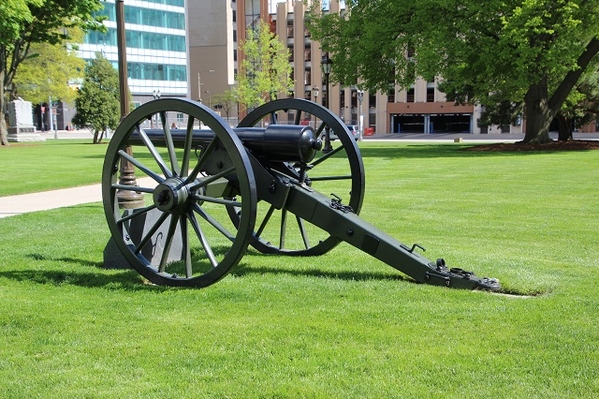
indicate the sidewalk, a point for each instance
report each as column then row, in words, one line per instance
column 19, row 204
column 24, row 203
column 66, row 134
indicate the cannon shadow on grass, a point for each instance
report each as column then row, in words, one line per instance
column 252, row 265
column 243, row 270
column 130, row 280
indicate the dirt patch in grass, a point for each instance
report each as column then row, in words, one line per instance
column 571, row 145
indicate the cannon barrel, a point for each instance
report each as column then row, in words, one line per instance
column 278, row 143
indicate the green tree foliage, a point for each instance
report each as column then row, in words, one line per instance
column 581, row 106
column 98, row 100
column 524, row 51
column 25, row 22
column 40, row 76
column 224, row 101
column 264, row 71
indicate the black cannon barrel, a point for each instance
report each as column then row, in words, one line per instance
column 281, row 143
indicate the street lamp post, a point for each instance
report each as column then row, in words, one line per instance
column 326, row 64
column 156, row 95
column 361, row 117
column 127, row 199
column 315, row 95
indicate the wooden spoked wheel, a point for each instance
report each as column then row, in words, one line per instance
column 337, row 171
column 182, row 235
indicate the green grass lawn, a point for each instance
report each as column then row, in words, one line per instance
column 342, row 325
column 34, row 167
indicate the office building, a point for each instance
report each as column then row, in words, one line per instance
column 156, row 47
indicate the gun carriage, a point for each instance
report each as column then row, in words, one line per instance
column 211, row 190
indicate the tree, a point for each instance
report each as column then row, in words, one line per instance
column 264, row 71
column 25, row 22
column 225, row 100
column 98, row 100
column 40, row 76
column 522, row 51
column 581, row 106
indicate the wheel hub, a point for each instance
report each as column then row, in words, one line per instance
column 171, row 196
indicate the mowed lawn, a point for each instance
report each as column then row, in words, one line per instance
column 342, row 325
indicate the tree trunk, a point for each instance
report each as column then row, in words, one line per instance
column 540, row 110
column 3, row 128
column 564, row 128
column 538, row 113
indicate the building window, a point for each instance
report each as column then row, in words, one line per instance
column 391, row 95
column 430, row 94
column 372, row 100
column 145, row 16
column 410, row 93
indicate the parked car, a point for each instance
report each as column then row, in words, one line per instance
column 353, row 129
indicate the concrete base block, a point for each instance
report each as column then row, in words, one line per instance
column 138, row 228
column 17, row 134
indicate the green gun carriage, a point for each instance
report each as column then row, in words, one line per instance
column 272, row 182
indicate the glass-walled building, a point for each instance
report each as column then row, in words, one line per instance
column 156, row 46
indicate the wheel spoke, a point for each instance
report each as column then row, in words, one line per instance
column 172, row 228
column 213, row 200
column 204, row 182
column 169, row 143
column 186, row 247
column 320, row 128
column 326, row 156
column 149, row 234
column 298, row 117
column 141, row 166
column 273, row 118
column 203, row 240
column 215, row 223
column 135, row 213
column 138, row 189
column 203, row 158
column 265, row 221
column 152, row 148
column 187, row 146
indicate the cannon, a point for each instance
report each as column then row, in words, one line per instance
column 272, row 182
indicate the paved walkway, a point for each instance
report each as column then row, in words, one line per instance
column 18, row 204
